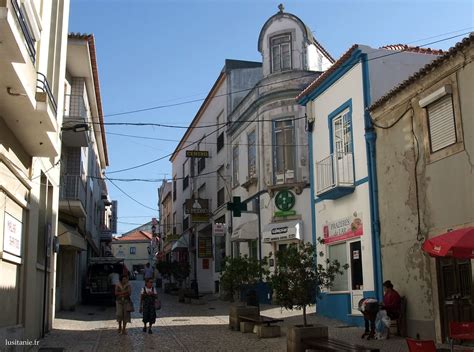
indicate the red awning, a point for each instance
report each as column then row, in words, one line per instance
column 458, row 244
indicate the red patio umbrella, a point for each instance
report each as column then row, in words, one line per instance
column 458, row 244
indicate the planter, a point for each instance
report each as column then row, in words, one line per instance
column 297, row 333
column 235, row 311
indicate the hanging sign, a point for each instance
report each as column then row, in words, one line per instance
column 197, row 154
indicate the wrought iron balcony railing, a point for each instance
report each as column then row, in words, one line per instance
column 22, row 19
column 43, row 85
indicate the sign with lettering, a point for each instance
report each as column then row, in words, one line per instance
column 12, row 235
column 343, row 229
column 205, row 247
column 197, row 154
column 219, row 229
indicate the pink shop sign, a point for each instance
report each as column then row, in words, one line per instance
column 343, row 229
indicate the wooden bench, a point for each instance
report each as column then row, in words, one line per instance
column 329, row 344
column 263, row 325
column 259, row 320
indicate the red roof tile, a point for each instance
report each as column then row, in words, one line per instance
column 136, row 236
column 413, row 49
column 425, row 70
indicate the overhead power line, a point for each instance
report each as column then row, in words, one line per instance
column 129, row 196
column 158, row 107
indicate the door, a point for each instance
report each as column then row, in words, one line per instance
column 357, row 279
column 455, row 292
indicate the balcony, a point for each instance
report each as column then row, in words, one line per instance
column 335, row 176
column 72, row 197
column 75, row 114
column 45, row 100
column 20, row 28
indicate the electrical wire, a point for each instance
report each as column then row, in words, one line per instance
column 129, row 196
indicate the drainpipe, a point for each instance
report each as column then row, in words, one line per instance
column 370, row 139
column 311, row 196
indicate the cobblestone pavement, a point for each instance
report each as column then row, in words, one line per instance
column 184, row 327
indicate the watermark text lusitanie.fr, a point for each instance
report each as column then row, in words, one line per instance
column 16, row 342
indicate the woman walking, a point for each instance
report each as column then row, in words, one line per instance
column 147, row 304
column 123, row 303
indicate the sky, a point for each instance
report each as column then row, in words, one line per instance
column 160, row 52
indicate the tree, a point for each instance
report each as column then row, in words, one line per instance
column 180, row 271
column 298, row 280
column 240, row 271
column 165, row 268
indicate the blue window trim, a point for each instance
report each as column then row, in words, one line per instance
column 274, row 121
column 334, row 114
column 346, row 105
column 357, row 184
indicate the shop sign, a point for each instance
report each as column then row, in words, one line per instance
column 205, row 247
column 279, row 230
column 198, row 208
column 12, row 235
column 197, row 154
column 285, row 200
column 343, row 229
column 219, row 229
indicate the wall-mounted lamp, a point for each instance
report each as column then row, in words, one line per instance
column 81, row 127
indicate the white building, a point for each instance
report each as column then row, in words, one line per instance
column 344, row 196
column 85, row 211
column 33, row 45
column 269, row 156
column 201, row 243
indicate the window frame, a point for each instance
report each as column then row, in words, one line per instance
column 452, row 149
column 133, row 250
column 275, row 146
column 235, row 165
column 254, row 146
column 280, row 46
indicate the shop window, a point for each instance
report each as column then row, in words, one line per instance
column 357, row 278
column 339, row 252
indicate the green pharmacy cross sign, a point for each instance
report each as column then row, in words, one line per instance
column 285, row 201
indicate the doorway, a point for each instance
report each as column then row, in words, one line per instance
column 455, row 292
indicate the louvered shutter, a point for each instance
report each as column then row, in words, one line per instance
column 441, row 123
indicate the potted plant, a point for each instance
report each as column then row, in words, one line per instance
column 237, row 272
column 296, row 283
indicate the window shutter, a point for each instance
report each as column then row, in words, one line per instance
column 441, row 123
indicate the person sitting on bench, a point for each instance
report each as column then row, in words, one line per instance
column 369, row 307
column 391, row 301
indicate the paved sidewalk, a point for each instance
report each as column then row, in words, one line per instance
column 184, row 327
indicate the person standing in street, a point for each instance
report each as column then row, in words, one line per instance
column 149, row 272
column 123, row 292
column 147, row 305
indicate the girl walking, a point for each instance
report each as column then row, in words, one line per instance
column 147, row 305
column 123, row 303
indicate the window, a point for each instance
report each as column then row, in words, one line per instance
column 185, row 218
column 235, row 166
column 252, row 154
column 201, row 164
column 281, row 53
column 342, row 137
column 284, row 151
column 185, row 177
column 133, row 250
column 220, row 186
column 441, row 123
column 253, row 249
column 219, row 254
column 174, row 224
column 174, row 188
column 220, row 141
column 220, row 197
column 357, row 277
column 338, row 252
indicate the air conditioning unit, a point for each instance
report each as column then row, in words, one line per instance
column 280, row 179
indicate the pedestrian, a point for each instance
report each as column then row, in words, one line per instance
column 149, row 272
column 391, row 300
column 123, row 303
column 369, row 308
column 148, row 298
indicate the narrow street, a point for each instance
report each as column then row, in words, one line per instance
column 183, row 327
